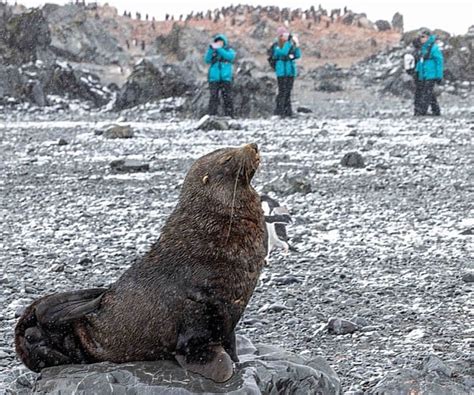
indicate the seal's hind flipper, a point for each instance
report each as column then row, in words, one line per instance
column 65, row 307
column 217, row 365
column 45, row 335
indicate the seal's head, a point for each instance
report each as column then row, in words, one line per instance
column 222, row 173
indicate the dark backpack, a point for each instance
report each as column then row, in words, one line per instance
column 271, row 60
column 417, row 55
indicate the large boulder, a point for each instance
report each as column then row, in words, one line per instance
column 397, row 22
column 11, row 82
column 253, row 93
column 459, row 58
column 149, row 82
column 328, row 78
column 78, row 37
column 383, row 25
column 33, row 82
column 181, row 42
column 63, row 80
column 433, row 376
column 364, row 22
column 348, row 18
column 23, row 37
column 262, row 370
column 400, row 84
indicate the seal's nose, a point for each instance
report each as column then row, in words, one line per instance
column 253, row 146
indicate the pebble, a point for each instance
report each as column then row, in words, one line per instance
column 468, row 277
column 340, row 326
column 353, row 159
column 273, row 308
column 286, row 280
column 129, row 165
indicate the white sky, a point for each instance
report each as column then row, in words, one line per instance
column 453, row 16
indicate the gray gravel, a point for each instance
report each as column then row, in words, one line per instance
column 386, row 247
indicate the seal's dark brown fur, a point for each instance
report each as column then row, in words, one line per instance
column 183, row 299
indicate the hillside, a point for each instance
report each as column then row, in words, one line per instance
column 91, row 53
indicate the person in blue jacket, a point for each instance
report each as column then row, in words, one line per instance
column 285, row 51
column 429, row 71
column 220, row 57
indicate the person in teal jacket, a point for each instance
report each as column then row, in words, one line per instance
column 285, row 51
column 429, row 70
column 220, row 57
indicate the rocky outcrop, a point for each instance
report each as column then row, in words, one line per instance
column 181, row 42
column 62, row 79
column 77, row 37
column 24, row 37
column 33, row 82
column 11, row 82
column 459, row 54
column 397, row 22
column 28, row 67
column 262, row 370
column 328, row 78
column 149, row 82
column 433, row 376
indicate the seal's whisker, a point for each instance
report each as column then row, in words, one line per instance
column 234, row 193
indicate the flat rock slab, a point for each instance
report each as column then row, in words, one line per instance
column 262, row 370
column 129, row 166
column 116, row 132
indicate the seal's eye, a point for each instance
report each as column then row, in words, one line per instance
column 205, row 179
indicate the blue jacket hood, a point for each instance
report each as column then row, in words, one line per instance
column 430, row 40
column 222, row 37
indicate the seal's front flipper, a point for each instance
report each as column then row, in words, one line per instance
column 68, row 306
column 230, row 345
column 214, row 364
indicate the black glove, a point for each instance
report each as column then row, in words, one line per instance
column 439, row 81
column 290, row 37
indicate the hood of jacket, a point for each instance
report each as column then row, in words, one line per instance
column 222, row 37
column 430, row 41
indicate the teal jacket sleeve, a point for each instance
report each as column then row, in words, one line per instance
column 437, row 57
column 208, row 56
column 226, row 54
column 297, row 53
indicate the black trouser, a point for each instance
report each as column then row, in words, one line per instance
column 425, row 97
column 225, row 88
column 283, row 100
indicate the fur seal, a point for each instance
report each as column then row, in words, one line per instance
column 183, row 299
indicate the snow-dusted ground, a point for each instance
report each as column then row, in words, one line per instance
column 380, row 245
